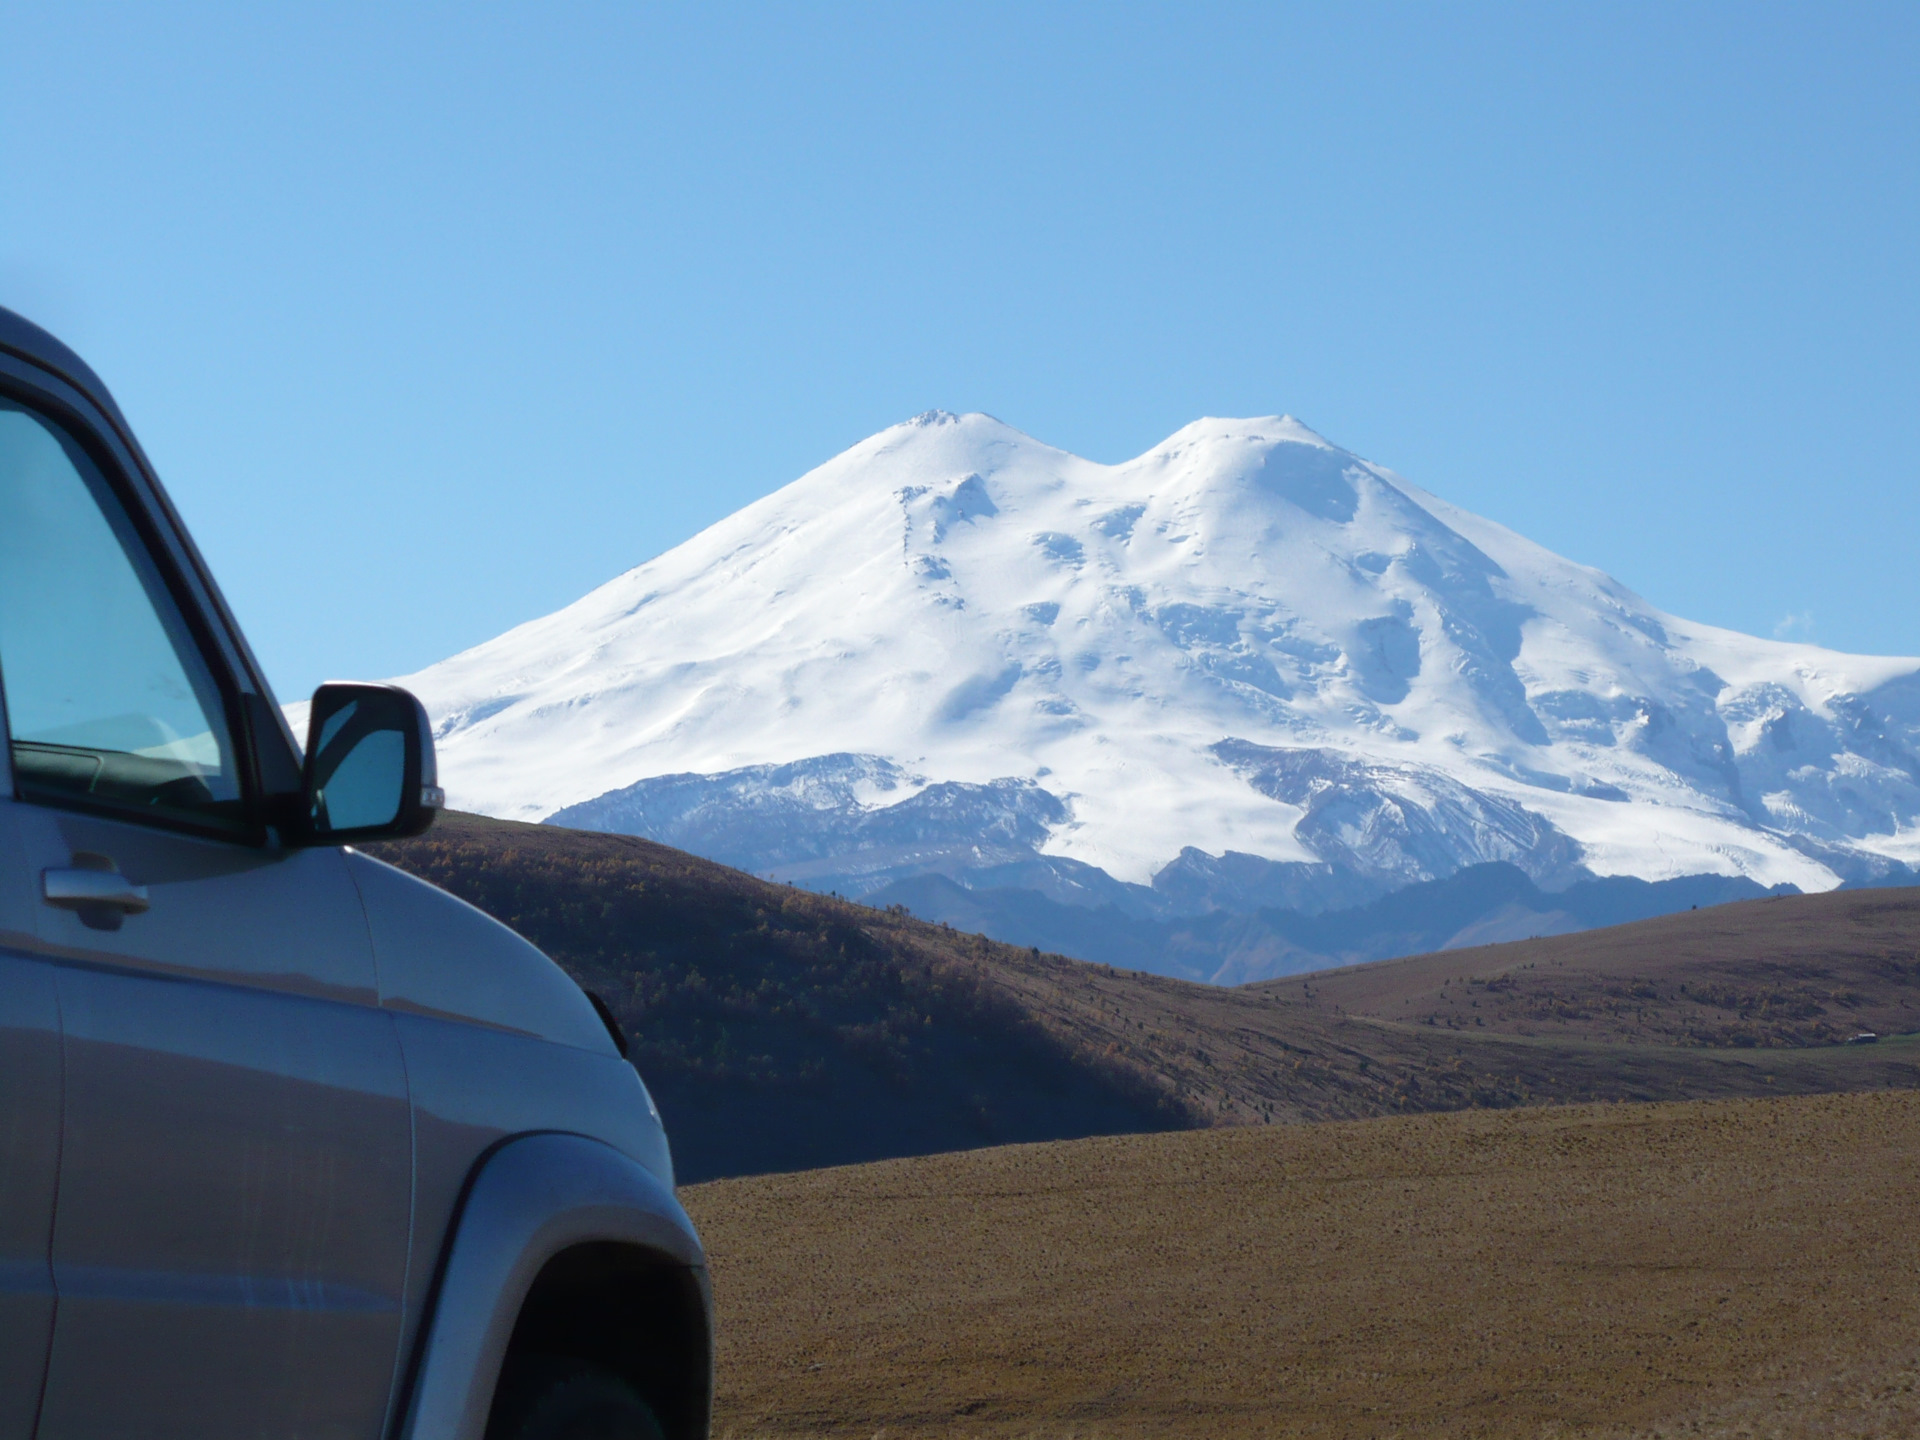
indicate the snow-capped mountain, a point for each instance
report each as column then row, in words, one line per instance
column 1246, row 667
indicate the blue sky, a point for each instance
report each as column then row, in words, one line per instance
column 433, row 318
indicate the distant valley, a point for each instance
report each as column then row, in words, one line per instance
column 1481, row 905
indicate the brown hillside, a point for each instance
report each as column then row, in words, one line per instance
column 1744, row 1268
column 781, row 1030
column 1803, row 970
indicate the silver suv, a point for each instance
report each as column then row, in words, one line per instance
column 291, row 1144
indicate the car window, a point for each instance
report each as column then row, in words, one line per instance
column 109, row 702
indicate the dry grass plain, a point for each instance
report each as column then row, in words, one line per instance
column 1740, row 1267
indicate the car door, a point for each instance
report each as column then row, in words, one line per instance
column 29, row 1141
column 230, row 1234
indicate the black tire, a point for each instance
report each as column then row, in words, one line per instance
column 549, row 1399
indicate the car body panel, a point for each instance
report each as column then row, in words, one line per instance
column 475, row 1089
column 439, row 956
column 499, row 1042
column 534, row 1198
column 31, row 1111
column 30, row 1107
column 235, row 1186
column 279, row 920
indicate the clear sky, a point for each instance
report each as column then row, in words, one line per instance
column 433, row 318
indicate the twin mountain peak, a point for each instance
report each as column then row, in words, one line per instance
column 1245, row 668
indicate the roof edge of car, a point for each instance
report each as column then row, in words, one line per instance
column 21, row 337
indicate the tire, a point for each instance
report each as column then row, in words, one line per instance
column 549, row 1399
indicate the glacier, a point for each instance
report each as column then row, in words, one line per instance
column 1247, row 668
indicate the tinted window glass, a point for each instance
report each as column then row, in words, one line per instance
column 108, row 700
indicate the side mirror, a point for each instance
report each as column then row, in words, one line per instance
column 370, row 772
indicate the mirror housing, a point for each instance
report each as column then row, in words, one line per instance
column 370, row 772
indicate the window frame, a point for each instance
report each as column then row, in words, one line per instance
column 157, row 530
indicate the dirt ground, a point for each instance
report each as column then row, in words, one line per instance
column 1718, row 1268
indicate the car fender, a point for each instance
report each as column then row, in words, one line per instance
column 530, row 1199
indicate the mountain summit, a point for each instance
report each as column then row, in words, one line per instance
column 1245, row 668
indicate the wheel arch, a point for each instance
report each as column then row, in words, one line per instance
column 556, row 1232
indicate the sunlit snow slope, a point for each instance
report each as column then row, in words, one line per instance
column 956, row 648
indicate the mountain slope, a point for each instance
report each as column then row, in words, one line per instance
column 953, row 649
column 781, row 1029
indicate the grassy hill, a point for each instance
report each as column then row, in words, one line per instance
column 1791, row 971
column 1723, row 1268
column 779, row 1029
column 782, row 1030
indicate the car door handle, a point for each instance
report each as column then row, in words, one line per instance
column 93, row 890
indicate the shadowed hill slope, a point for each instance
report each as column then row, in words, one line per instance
column 781, row 1029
